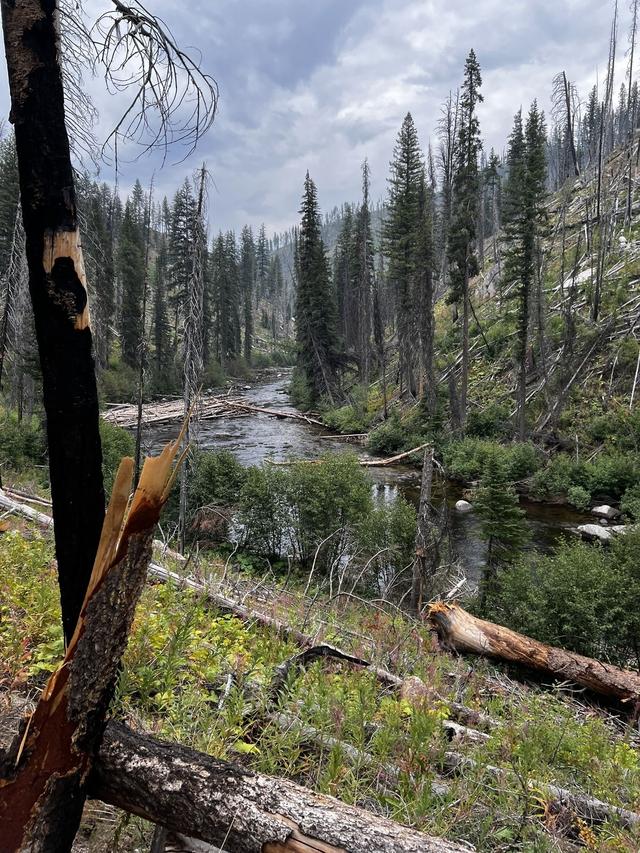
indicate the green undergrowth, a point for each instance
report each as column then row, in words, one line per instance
column 201, row 677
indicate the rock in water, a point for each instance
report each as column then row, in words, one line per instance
column 594, row 532
column 605, row 511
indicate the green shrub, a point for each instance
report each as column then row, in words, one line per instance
column 558, row 477
column 618, row 429
column 612, row 474
column 299, row 391
column 355, row 417
column 467, row 459
column 388, row 438
column 215, row 478
column 22, row 443
column 116, row 443
column 491, row 421
column 118, row 383
column 307, row 505
column 579, row 497
column 583, row 597
column 214, row 376
column 630, row 503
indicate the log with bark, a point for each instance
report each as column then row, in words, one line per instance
column 459, row 631
column 43, row 777
column 198, row 796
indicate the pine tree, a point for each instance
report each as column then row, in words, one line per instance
column 343, row 263
column 524, row 218
column 262, row 264
column 424, row 295
column 461, row 247
column 400, row 240
column 502, row 521
column 162, row 359
column 363, row 255
column 131, row 275
column 179, row 254
column 315, row 306
column 247, row 279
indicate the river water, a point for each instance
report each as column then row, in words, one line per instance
column 256, row 438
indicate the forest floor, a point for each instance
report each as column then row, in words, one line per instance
column 204, row 677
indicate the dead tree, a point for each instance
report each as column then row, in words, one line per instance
column 462, row 632
column 564, row 97
column 425, row 558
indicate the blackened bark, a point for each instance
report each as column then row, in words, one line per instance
column 58, row 292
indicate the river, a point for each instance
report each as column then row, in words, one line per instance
column 255, row 438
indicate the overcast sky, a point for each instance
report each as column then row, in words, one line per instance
column 322, row 85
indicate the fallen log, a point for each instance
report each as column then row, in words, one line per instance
column 219, row 803
column 391, row 460
column 460, row 631
column 23, row 511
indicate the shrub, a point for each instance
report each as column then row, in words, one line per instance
column 305, row 506
column 216, row 478
column 583, row 597
column 22, row 443
column 630, row 503
column 558, row 477
column 491, row 421
column 467, row 459
column 388, row 438
column 579, row 497
column 118, row 383
column 116, row 443
column 612, row 474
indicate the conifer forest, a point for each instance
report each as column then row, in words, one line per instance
column 320, row 427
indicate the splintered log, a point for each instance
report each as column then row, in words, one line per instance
column 460, row 631
column 43, row 777
column 391, row 460
column 201, row 797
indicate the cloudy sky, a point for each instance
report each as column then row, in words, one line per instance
column 322, row 85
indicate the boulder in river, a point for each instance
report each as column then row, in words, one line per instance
column 463, row 506
column 594, row 533
column 605, row 511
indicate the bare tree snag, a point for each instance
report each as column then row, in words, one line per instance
column 424, row 562
column 42, row 782
column 244, row 812
column 460, row 631
column 57, row 285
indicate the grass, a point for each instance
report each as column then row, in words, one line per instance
column 175, row 683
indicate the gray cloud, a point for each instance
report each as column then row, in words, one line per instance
column 323, row 85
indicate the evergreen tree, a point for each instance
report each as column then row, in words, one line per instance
column 161, row 325
column 400, row 241
column 363, row 255
column 343, row 263
column 247, row 278
column 424, row 297
column 262, row 264
column 502, row 521
column 101, row 276
column 524, row 217
column 315, row 306
column 180, row 254
column 461, row 247
column 131, row 275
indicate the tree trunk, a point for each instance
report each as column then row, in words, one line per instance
column 195, row 795
column 43, row 779
column 58, row 292
column 424, row 562
column 464, row 376
column 462, row 632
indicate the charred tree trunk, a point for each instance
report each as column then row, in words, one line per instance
column 424, row 562
column 460, row 631
column 246, row 812
column 58, row 292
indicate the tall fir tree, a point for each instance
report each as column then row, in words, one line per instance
column 463, row 262
column 363, row 256
column 400, row 242
column 315, row 306
column 247, row 284
column 131, row 274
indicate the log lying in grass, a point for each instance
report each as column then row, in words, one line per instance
column 588, row 808
column 460, row 631
column 198, row 796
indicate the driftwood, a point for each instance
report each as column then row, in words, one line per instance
column 43, row 780
column 198, row 796
column 460, row 631
column 391, row 460
column 209, row 408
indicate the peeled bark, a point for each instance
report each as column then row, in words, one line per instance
column 58, row 288
column 202, row 797
column 460, row 631
column 43, row 778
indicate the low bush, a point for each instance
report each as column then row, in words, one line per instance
column 116, row 443
column 491, row 421
column 579, row 497
column 583, row 597
column 630, row 504
column 388, row 438
column 22, row 443
column 467, row 459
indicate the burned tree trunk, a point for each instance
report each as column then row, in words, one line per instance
column 424, row 562
column 43, row 778
column 462, row 632
column 58, row 292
